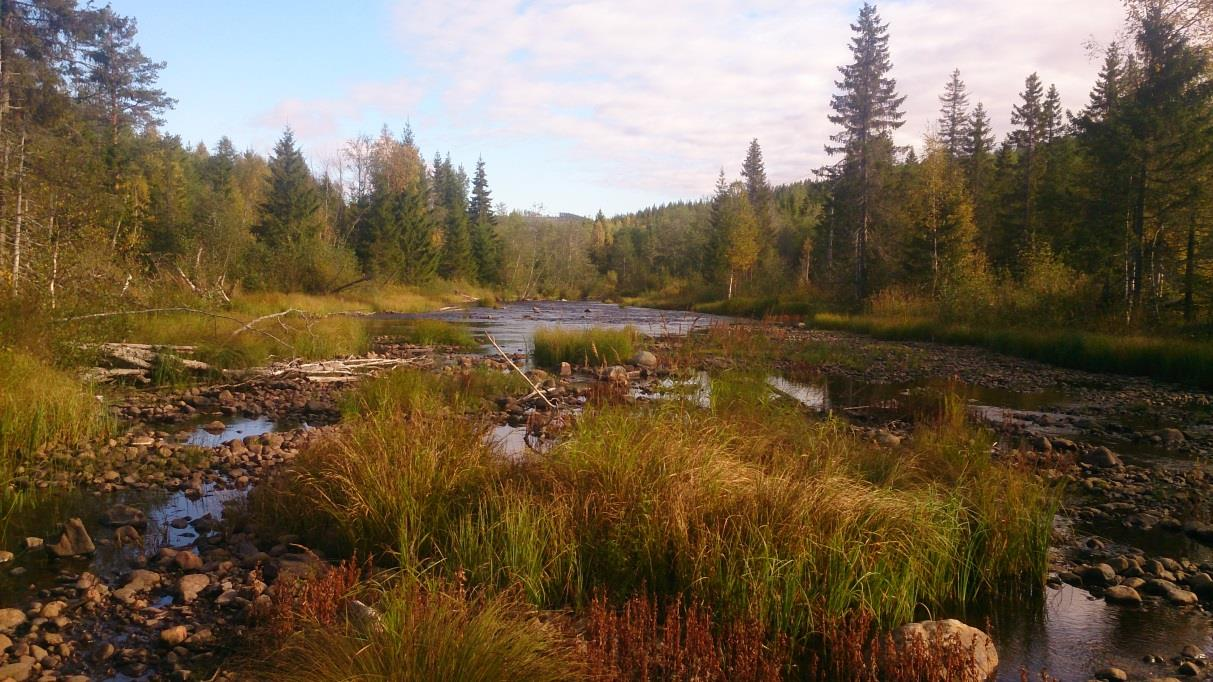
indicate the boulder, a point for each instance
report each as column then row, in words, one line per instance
column 952, row 632
column 1172, row 436
column 1112, row 675
column 1100, row 458
column 173, row 636
column 73, row 541
column 644, row 358
column 1122, row 594
column 188, row 561
column 618, row 375
column 566, row 370
column 1099, row 575
column 124, row 515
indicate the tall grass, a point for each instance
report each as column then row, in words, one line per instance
column 407, row 391
column 434, row 631
column 747, row 508
column 41, row 405
column 431, row 333
column 1179, row 360
column 596, row 346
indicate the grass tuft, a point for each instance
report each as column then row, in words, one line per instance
column 596, row 346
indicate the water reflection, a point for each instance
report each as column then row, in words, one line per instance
column 240, row 427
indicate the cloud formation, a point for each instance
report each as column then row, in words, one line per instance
column 658, row 95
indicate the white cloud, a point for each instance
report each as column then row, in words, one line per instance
column 658, row 95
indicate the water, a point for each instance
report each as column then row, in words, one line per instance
column 41, row 517
column 240, row 427
column 1072, row 635
column 513, row 325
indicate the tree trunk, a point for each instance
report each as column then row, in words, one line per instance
column 1137, row 248
column 1190, row 273
column 20, row 219
column 730, row 297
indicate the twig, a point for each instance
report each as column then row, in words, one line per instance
column 251, row 323
column 520, row 372
column 175, row 309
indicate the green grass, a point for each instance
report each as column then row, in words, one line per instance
column 596, row 346
column 407, row 391
column 1179, row 360
column 748, row 507
column 41, row 405
column 431, row 333
column 759, row 307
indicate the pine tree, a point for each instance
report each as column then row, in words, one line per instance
column 954, row 116
column 868, row 110
column 121, row 80
column 290, row 212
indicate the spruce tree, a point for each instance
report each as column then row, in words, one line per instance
column 868, row 110
column 759, row 190
column 486, row 245
column 954, row 116
column 450, row 196
column 1051, row 111
column 290, row 213
column 1029, row 118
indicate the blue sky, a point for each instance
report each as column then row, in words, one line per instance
column 578, row 105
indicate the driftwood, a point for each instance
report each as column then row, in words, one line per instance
column 521, row 373
column 136, row 360
column 339, row 371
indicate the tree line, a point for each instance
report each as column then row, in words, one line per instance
column 1103, row 213
column 97, row 204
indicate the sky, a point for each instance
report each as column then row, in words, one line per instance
column 581, row 105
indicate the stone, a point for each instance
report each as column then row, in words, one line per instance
column 887, row 439
column 644, row 358
column 173, row 636
column 73, row 540
column 188, row 561
column 618, row 375
column 53, row 610
column 1112, row 675
column 566, row 370
column 125, row 515
column 11, row 619
column 142, row 579
column 1182, row 597
column 969, row 639
column 1192, row 651
column 1122, row 594
column 1099, row 575
column 1172, row 436
column 5, row 556
column 5, row 643
column 1101, row 458
column 215, row 427
column 191, row 585
column 32, row 543
column 1188, row 669
column 19, row 671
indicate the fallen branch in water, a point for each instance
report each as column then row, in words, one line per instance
column 521, row 373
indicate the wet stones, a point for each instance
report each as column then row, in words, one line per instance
column 73, row 541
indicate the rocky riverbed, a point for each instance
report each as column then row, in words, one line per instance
column 133, row 563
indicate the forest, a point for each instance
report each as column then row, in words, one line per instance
column 1098, row 217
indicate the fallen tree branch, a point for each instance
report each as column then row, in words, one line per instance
column 521, row 373
column 252, row 323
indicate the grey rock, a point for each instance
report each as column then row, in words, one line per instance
column 1122, row 594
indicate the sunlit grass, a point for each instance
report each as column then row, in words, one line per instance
column 41, row 405
column 1171, row 359
column 595, row 346
column 747, row 507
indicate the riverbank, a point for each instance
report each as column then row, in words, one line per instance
column 488, row 536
